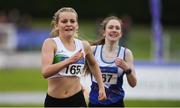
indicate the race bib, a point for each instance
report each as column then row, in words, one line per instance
column 109, row 75
column 73, row 70
column 109, row 78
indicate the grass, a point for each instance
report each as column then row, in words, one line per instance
column 22, row 80
column 140, row 42
column 152, row 103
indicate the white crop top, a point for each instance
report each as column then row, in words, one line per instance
column 75, row 69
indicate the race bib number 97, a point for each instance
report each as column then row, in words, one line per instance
column 109, row 78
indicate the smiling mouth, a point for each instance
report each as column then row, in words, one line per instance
column 113, row 35
column 68, row 28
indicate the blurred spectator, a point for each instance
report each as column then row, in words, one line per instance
column 21, row 21
column 3, row 17
column 127, row 23
column 7, row 33
column 25, row 21
column 14, row 16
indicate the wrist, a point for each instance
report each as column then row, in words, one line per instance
column 101, row 86
column 128, row 71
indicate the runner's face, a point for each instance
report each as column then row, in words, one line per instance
column 113, row 30
column 67, row 24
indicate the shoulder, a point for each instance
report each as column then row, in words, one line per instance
column 86, row 44
column 93, row 47
column 49, row 42
column 128, row 51
column 128, row 54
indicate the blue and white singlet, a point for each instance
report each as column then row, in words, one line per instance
column 112, row 78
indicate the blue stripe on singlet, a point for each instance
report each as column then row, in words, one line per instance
column 109, row 69
column 81, row 61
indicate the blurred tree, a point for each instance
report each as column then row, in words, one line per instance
column 88, row 9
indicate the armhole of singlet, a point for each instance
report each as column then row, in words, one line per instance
column 80, row 45
column 56, row 42
column 124, row 54
column 95, row 50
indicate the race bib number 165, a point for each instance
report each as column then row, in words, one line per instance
column 74, row 69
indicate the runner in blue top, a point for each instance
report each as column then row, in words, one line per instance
column 115, row 61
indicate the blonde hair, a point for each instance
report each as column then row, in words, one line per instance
column 54, row 22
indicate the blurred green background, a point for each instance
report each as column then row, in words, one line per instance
column 38, row 14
